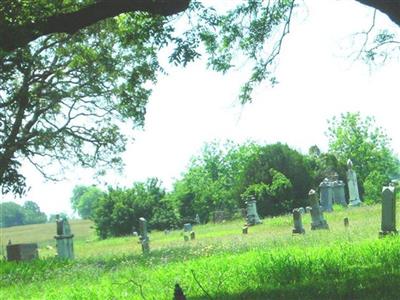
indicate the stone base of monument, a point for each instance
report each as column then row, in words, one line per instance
column 298, row 231
column 386, row 233
column 355, row 203
column 245, row 230
column 320, row 225
column 65, row 246
column 22, row 252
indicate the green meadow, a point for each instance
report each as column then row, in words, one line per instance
column 222, row 263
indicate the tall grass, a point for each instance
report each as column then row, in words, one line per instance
column 268, row 263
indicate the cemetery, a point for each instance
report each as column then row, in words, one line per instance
column 209, row 256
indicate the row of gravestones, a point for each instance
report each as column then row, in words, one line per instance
column 331, row 191
column 388, row 223
column 28, row 251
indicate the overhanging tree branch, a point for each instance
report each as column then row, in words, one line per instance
column 12, row 37
column 391, row 8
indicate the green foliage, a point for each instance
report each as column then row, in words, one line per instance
column 84, row 200
column 373, row 186
column 13, row 214
column 222, row 177
column 118, row 211
column 271, row 198
column 368, row 146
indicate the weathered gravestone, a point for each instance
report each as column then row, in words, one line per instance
column 326, row 195
column 338, row 192
column 245, row 229
column 64, row 239
column 318, row 221
column 21, row 252
column 346, row 222
column 388, row 225
column 144, row 237
column 298, row 224
column 197, row 219
column 187, row 228
column 252, row 215
column 354, row 196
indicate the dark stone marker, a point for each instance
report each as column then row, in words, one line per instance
column 388, row 225
column 22, row 252
column 346, row 222
column 178, row 293
column 298, row 224
column 245, row 229
column 192, row 235
column 318, row 221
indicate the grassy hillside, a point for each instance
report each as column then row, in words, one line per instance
column 43, row 234
column 221, row 263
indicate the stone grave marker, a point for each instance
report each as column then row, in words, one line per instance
column 144, row 237
column 388, row 225
column 252, row 215
column 64, row 239
column 326, row 195
column 187, row 231
column 354, row 196
column 317, row 217
column 338, row 192
column 245, row 229
column 298, row 224
column 22, row 252
column 346, row 222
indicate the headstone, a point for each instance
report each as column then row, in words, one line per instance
column 346, row 222
column 245, row 229
column 187, row 227
column 326, row 195
column 338, row 192
column 302, row 210
column 354, row 197
column 192, row 235
column 298, row 224
column 308, row 209
column 318, row 221
column 144, row 238
column 252, row 215
column 197, row 219
column 388, row 225
column 21, row 252
column 64, row 239
column 178, row 293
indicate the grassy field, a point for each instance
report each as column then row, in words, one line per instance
column 222, row 263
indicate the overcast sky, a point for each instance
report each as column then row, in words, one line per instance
column 191, row 106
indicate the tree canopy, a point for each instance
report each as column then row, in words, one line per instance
column 71, row 72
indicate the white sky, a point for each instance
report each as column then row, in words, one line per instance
column 192, row 106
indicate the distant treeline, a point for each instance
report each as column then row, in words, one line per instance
column 225, row 175
column 12, row 214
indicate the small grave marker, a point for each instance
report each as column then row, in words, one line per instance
column 298, row 224
column 144, row 238
column 21, row 252
column 318, row 221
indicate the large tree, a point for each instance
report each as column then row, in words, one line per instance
column 354, row 137
column 72, row 71
column 24, row 21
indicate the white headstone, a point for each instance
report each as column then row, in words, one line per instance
column 354, row 196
